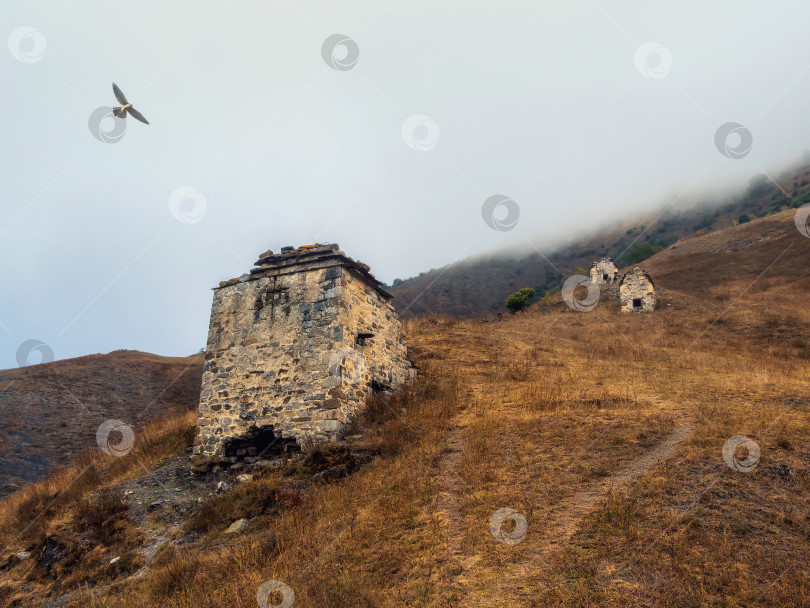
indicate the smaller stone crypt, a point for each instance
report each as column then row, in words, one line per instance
column 604, row 272
column 637, row 292
column 294, row 348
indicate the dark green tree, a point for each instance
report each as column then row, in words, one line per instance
column 519, row 300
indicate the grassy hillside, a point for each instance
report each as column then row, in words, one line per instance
column 603, row 432
column 478, row 288
column 50, row 412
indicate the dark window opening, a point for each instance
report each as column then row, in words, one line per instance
column 604, row 277
column 636, row 302
column 361, row 338
column 377, row 387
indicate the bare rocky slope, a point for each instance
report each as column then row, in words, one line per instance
column 51, row 412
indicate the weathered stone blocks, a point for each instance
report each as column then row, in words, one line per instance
column 294, row 347
column 604, row 272
column 637, row 292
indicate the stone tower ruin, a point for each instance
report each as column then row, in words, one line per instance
column 294, row 347
column 637, row 292
column 604, row 272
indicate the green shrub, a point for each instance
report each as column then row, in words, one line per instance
column 520, row 299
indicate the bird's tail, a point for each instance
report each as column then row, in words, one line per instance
column 119, row 112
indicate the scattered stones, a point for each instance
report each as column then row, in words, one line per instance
column 238, row 526
column 115, row 559
column 222, row 487
column 244, row 477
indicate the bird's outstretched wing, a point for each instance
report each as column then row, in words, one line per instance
column 137, row 115
column 119, row 95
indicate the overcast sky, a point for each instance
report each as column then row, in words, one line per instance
column 388, row 144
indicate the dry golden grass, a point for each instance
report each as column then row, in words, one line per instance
column 555, row 415
column 78, row 395
column 604, row 389
column 20, row 512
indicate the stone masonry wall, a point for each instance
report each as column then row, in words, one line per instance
column 637, row 285
column 294, row 347
column 603, row 267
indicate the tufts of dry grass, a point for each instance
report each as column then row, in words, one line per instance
column 551, row 414
column 263, row 497
column 25, row 515
column 336, row 525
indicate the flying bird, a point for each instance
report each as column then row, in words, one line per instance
column 126, row 107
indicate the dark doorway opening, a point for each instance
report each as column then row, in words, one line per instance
column 636, row 302
column 604, row 277
column 259, row 443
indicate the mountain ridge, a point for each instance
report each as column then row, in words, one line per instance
column 478, row 287
column 51, row 411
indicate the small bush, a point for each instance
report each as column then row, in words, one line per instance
column 520, row 299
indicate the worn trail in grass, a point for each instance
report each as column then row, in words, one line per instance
column 604, row 431
column 569, row 428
